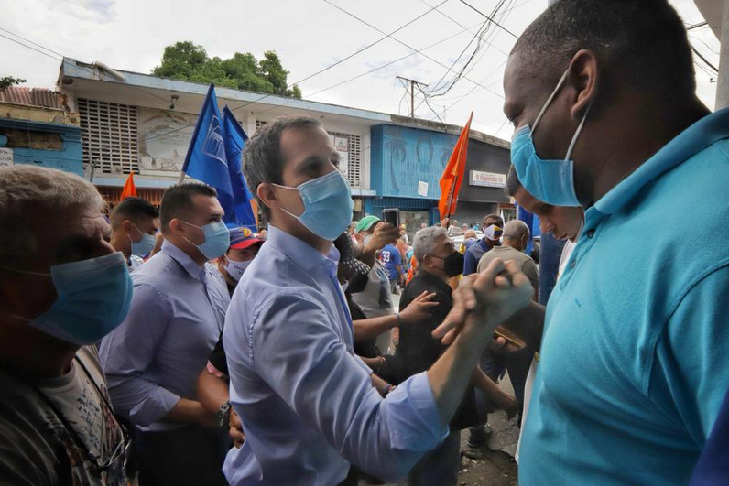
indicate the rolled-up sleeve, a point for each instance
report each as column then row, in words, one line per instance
column 309, row 367
column 127, row 352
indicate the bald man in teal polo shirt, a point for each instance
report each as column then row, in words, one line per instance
column 634, row 358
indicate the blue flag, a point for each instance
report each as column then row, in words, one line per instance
column 235, row 140
column 205, row 160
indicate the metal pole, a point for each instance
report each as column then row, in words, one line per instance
column 722, row 84
column 412, row 99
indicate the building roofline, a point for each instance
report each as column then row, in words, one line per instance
column 93, row 72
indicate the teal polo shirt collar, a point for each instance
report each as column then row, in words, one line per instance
column 702, row 134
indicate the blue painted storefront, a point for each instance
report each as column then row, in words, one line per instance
column 401, row 158
column 23, row 137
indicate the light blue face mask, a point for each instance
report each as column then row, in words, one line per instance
column 328, row 205
column 217, row 239
column 549, row 180
column 93, row 299
column 145, row 245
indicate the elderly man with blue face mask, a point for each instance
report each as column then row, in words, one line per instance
column 154, row 358
column 308, row 404
column 62, row 289
column 633, row 359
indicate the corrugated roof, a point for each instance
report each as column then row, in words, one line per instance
column 31, row 96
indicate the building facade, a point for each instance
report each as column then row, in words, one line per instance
column 36, row 130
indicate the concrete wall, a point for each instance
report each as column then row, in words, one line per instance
column 43, row 144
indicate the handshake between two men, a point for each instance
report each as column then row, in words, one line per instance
column 482, row 302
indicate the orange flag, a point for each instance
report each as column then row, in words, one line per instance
column 130, row 190
column 450, row 181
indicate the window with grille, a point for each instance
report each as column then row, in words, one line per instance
column 260, row 123
column 353, row 148
column 109, row 136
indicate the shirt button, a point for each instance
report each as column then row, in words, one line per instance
column 572, row 264
column 591, row 233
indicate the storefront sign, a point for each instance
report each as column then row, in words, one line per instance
column 487, row 179
column 6, row 157
column 422, row 188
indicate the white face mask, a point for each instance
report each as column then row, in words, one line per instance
column 236, row 269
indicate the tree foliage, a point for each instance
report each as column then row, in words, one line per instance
column 187, row 61
column 8, row 81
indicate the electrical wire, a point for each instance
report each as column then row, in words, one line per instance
column 491, row 19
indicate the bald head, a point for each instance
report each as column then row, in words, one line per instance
column 516, row 234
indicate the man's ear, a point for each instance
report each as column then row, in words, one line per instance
column 583, row 78
column 266, row 194
column 176, row 226
column 127, row 226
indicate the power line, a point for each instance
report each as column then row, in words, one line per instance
column 491, row 19
column 696, row 51
column 405, row 45
column 336, row 85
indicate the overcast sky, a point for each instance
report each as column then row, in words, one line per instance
column 308, row 35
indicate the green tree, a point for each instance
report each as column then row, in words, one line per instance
column 8, row 81
column 187, row 61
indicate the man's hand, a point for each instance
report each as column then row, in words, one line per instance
column 236, row 430
column 419, row 307
column 383, row 234
column 493, row 296
column 508, row 404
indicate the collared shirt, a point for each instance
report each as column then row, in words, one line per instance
column 307, row 403
column 155, row 356
column 473, row 256
column 634, row 361
column 506, row 253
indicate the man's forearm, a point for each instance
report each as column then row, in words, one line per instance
column 371, row 328
column 528, row 325
column 212, row 391
column 190, row 412
column 453, row 371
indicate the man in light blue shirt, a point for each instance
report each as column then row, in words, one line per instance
column 641, row 310
column 152, row 361
column 307, row 403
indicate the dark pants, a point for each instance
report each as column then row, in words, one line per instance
column 493, row 364
column 190, row 455
column 440, row 466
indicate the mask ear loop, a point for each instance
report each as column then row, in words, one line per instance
column 549, row 100
column 577, row 133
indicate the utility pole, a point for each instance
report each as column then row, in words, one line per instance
column 413, row 84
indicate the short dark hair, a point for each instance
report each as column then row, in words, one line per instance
column 496, row 217
column 262, row 159
column 133, row 209
column 644, row 38
column 512, row 182
column 177, row 201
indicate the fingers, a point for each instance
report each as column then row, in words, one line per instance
column 449, row 337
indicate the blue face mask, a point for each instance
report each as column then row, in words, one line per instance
column 93, row 299
column 217, row 239
column 145, row 245
column 549, row 180
column 328, row 205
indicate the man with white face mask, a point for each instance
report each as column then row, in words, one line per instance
column 62, row 289
column 154, row 358
column 244, row 246
column 308, row 404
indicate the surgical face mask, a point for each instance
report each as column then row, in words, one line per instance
column 328, row 205
column 452, row 264
column 217, row 239
column 549, row 180
column 145, row 245
column 236, row 269
column 93, row 299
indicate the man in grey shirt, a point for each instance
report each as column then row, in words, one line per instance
column 516, row 237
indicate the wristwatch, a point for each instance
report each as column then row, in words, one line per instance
column 223, row 415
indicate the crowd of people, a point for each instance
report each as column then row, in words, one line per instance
column 161, row 346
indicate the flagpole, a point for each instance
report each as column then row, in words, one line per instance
column 182, row 177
